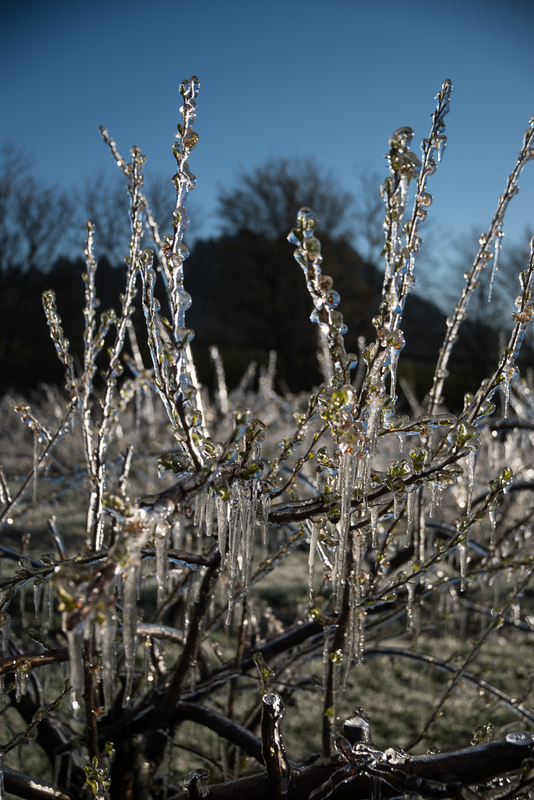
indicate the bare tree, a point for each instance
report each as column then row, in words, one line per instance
column 266, row 200
column 34, row 218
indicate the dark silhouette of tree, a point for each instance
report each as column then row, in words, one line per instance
column 266, row 200
column 34, row 218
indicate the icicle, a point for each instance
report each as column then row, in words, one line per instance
column 326, row 654
column 471, row 462
column 350, row 640
column 375, row 512
column 129, row 629
column 177, row 535
column 410, row 508
column 199, row 512
column 222, row 526
column 346, row 478
column 210, row 504
column 360, row 635
column 2, row 775
column 435, row 491
column 397, row 503
column 162, row 548
column 233, row 545
column 108, row 635
column 75, row 645
column 402, row 440
column 357, row 550
column 35, row 464
column 37, row 590
column 410, row 586
column 22, row 606
column 147, row 662
column 46, row 619
column 20, row 684
column 364, row 474
column 314, row 535
column 498, row 247
column 263, row 517
column 5, row 624
column 249, row 530
column 462, row 547
column 2, row 687
column 394, row 353
column 505, row 386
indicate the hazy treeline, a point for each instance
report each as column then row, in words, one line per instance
column 249, row 297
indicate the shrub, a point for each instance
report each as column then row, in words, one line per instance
column 215, row 558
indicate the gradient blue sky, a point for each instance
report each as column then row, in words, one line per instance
column 330, row 79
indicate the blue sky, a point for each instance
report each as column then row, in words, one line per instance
column 325, row 79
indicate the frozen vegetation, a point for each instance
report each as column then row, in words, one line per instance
column 211, row 559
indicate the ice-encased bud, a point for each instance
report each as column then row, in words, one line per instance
column 147, row 258
column 395, row 755
column 295, row 236
column 312, row 246
column 194, row 783
column 275, row 703
column 194, row 84
column 307, row 221
column 357, row 729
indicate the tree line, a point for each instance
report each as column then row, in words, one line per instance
column 249, row 298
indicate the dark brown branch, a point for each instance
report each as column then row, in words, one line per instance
column 223, row 727
column 187, row 657
column 33, row 659
column 32, row 788
column 272, row 747
column 469, row 766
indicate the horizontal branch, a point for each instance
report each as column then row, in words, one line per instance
column 33, row 660
column 468, row 766
column 222, row 726
column 32, row 788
